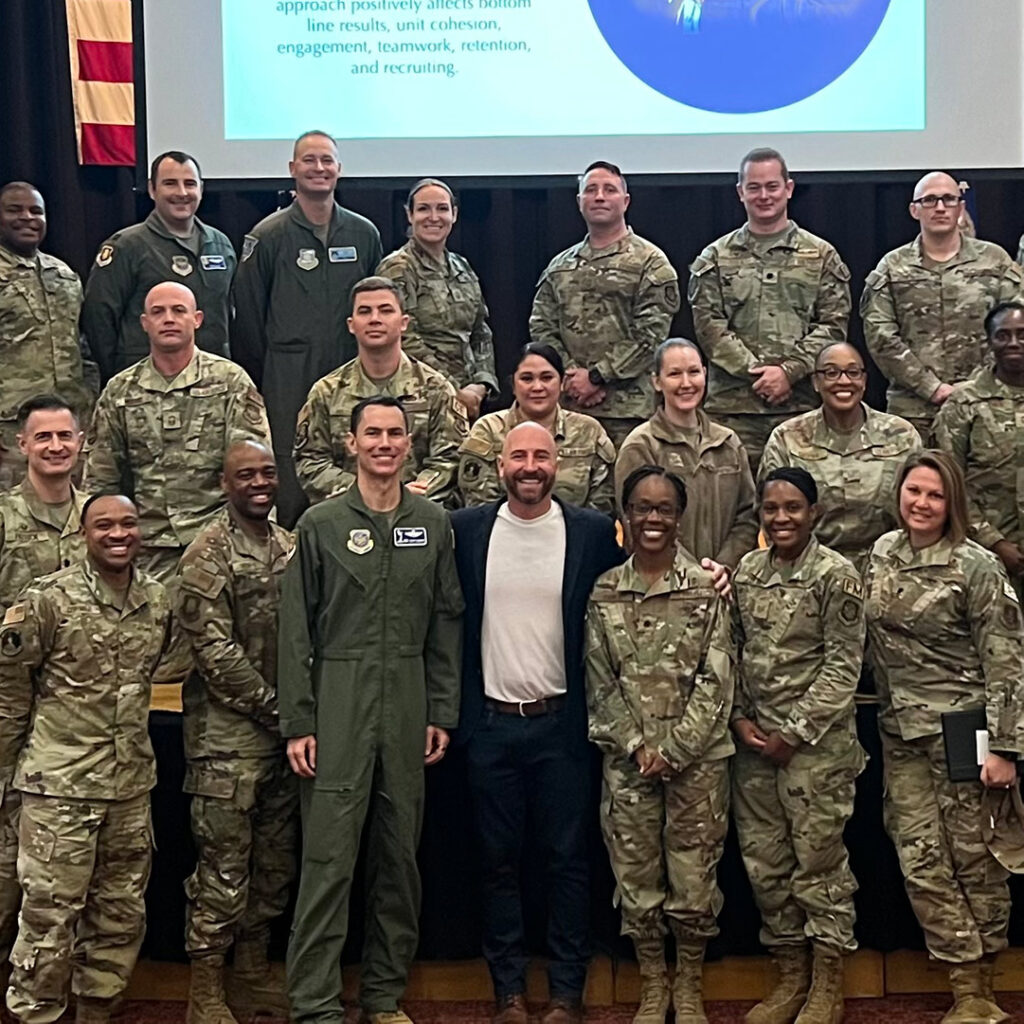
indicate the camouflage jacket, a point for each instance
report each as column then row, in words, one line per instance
column 226, row 602
column 925, row 327
column 134, row 260
column 800, row 641
column 719, row 521
column 585, row 458
column 448, row 327
column 30, row 545
column 856, row 474
column 982, row 424
column 437, row 422
column 609, row 309
column 777, row 305
column 944, row 632
column 164, row 441
column 40, row 300
column 660, row 664
column 91, row 665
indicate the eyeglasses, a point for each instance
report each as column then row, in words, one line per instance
column 642, row 510
column 930, row 201
column 836, row 372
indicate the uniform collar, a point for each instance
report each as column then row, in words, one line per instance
column 679, row 577
column 768, row 572
column 14, row 260
column 295, row 212
column 153, row 380
column 249, row 545
column 158, row 227
column 824, row 436
column 970, row 251
column 939, row 553
column 586, row 249
column 709, row 433
column 354, row 499
column 37, row 507
column 368, row 386
column 444, row 261
column 134, row 599
column 744, row 238
column 517, row 416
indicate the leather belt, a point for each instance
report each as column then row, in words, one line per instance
column 527, row 708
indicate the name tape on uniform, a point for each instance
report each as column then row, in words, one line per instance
column 213, row 262
column 342, row 254
column 410, row 536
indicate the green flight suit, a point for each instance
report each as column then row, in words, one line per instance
column 369, row 654
column 292, row 301
column 134, row 260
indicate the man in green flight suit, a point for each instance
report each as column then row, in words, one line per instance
column 368, row 687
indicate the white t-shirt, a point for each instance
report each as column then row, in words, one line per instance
column 523, row 643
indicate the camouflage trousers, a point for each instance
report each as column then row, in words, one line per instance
column 664, row 841
column 83, row 867
column 753, row 429
column 958, row 890
column 790, row 821
column 245, row 819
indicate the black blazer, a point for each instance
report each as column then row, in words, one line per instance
column 590, row 549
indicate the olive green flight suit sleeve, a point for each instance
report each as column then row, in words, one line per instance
column 827, row 700
column 882, row 333
column 710, row 322
column 443, row 648
column 300, row 593
column 108, row 290
column 710, row 703
column 313, row 453
column 251, row 296
column 995, row 617
column 612, row 725
column 656, row 302
column 107, row 465
column 203, row 607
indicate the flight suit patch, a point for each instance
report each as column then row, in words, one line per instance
column 248, row 246
column 307, row 259
column 181, row 266
column 410, row 536
column 105, row 256
column 213, row 262
column 10, row 643
column 359, row 542
column 342, row 254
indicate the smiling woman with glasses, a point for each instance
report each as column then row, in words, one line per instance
column 853, row 452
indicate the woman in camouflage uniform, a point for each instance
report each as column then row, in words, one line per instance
column 800, row 632
column 719, row 522
column 944, row 630
column 441, row 294
column 585, row 452
column 660, row 676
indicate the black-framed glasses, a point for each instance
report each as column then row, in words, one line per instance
column 930, row 201
column 836, row 372
column 642, row 510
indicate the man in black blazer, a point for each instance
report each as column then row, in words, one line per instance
column 527, row 566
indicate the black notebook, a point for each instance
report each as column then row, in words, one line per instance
column 960, row 734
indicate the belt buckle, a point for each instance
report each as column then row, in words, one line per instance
column 522, row 704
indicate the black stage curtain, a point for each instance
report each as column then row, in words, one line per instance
column 508, row 234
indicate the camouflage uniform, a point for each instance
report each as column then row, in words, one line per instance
column 982, row 425
column 30, row 547
column 585, row 459
column 800, row 633
column 609, row 309
column 719, row 521
column 136, row 259
column 660, row 673
column 84, row 774
column 944, row 630
column 856, row 474
column 245, row 797
column 448, row 327
column 437, row 422
column 924, row 323
column 765, row 301
column 40, row 297
column 164, row 442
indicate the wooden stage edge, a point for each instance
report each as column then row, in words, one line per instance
column 868, row 974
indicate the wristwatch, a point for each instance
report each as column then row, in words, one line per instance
column 595, row 377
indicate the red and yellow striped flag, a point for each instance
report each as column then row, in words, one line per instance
column 102, row 80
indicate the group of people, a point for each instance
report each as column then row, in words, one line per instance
column 323, row 670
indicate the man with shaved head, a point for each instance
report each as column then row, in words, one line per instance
column 924, row 305
column 160, row 430
column 527, row 564
column 292, row 296
column 244, row 796
column 40, row 299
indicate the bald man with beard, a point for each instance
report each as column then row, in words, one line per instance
column 924, row 305
column 527, row 564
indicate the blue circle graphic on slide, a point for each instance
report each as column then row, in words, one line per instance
column 738, row 56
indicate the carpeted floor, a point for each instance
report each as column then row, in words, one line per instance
column 892, row 1010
